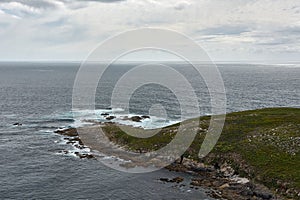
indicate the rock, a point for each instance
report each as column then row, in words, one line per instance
column 81, row 156
column 195, row 183
column 177, row 179
column 237, row 187
column 76, row 139
column 240, row 180
column 198, row 169
column 89, row 156
column 226, row 185
column 164, row 179
column 72, row 132
column 71, row 142
column 64, row 151
column 216, row 166
column 78, row 146
column 246, row 192
column 216, row 195
column 145, row 117
column 136, row 118
column 263, row 195
column 174, row 180
column 17, row 124
column 58, row 131
column 227, row 170
column 110, row 118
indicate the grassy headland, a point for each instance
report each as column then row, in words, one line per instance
column 262, row 145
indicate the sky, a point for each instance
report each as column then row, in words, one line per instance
column 228, row 30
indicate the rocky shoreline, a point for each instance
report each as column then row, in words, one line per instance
column 220, row 182
column 71, row 137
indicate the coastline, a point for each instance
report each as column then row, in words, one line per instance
column 243, row 165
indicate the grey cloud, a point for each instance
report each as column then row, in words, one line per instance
column 226, row 30
column 32, row 3
column 105, row 1
column 287, row 36
column 4, row 25
column 55, row 23
column 26, row 7
column 47, row 4
column 181, row 5
column 77, row 4
column 294, row 30
column 51, row 4
column 274, row 42
column 36, row 7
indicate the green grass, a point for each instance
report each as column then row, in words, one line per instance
column 261, row 144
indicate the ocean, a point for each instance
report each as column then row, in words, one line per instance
column 39, row 96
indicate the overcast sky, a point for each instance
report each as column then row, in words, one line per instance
column 229, row 30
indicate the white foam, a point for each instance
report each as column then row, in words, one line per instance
column 83, row 116
column 46, row 131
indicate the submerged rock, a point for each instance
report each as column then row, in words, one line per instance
column 17, row 124
column 84, row 155
column 174, row 180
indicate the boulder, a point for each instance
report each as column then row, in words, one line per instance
column 136, row 118
column 110, row 118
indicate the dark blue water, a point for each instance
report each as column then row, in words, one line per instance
column 39, row 95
